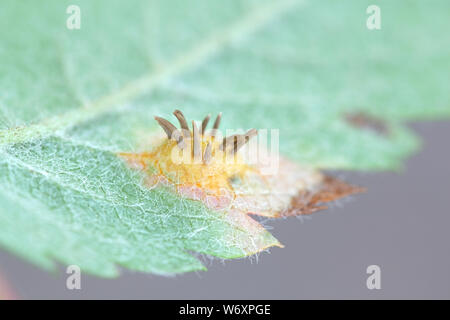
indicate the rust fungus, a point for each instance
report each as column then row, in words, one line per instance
column 197, row 163
column 365, row 121
column 203, row 166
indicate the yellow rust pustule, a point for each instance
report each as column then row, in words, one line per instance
column 194, row 157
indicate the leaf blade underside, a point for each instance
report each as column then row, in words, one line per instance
column 70, row 100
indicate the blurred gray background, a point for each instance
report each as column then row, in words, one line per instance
column 401, row 224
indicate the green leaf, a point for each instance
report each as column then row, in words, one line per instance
column 70, row 100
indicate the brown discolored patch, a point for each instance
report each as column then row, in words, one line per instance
column 362, row 120
column 307, row 202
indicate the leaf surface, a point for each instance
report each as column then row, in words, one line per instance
column 71, row 100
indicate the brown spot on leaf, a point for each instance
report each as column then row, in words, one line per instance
column 307, row 202
column 362, row 120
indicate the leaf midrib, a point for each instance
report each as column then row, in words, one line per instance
column 217, row 41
